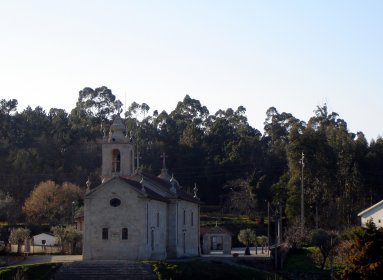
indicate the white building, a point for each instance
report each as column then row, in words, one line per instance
column 44, row 239
column 136, row 216
column 375, row 212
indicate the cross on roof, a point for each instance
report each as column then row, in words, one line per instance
column 163, row 156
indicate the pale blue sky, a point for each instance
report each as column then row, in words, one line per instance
column 293, row 55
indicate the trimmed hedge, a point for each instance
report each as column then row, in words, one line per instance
column 42, row 271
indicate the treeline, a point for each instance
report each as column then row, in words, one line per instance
column 232, row 163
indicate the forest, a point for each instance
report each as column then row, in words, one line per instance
column 235, row 166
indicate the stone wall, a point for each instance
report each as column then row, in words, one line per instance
column 133, row 213
column 188, row 231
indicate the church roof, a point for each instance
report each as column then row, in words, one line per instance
column 151, row 194
column 139, row 185
column 214, row 230
column 166, row 185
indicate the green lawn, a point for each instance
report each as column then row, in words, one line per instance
column 300, row 261
column 212, row 218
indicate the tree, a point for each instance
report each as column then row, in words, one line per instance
column 18, row 236
column 51, row 203
column 293, row 234
column 264, row 240
column 247, row 236
column 99, row 103
column 67, row 235
column 240, row 197
column 366, row 258
column 325, row 241
column 7, row 206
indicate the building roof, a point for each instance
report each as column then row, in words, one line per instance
column 167, row 186
column 214, row 230
column 370, row 208
column 151, row 194
column 164, row 192
column 44, row 233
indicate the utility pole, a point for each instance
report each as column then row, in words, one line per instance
column 268, row 228
column 278, row 231
column 138, row 159
column 316, row 215
column 280, row 225
column 302, row 196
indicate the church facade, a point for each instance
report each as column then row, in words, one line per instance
column 137, row 216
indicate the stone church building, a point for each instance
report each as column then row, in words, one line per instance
column 137, row 216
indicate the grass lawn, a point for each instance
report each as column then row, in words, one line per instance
column 32, row 271
column 300, row 261
column 207, row 270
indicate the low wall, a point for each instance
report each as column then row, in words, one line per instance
column 38, row 249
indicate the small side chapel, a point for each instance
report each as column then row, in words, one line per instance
column 137, row 216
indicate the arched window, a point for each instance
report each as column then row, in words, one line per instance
column 116, row 161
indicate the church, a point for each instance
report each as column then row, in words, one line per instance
column 136, row 216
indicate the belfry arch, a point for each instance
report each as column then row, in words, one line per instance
column 117, row 152
column 116, row 161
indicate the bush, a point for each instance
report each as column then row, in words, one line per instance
column 190, row 270
column 365, row 260
column 35, row 271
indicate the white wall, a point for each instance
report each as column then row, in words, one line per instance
column 49, row 239
column 376, row 214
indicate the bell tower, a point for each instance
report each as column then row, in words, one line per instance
column 117, row 152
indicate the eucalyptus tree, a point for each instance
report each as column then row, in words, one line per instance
column 99, row 103
column 373, row 171
column 94, row 107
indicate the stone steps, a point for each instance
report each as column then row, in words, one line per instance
column 104, row 270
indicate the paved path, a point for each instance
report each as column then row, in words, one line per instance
column 50, row 259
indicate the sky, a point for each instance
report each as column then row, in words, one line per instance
column 293, row 55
